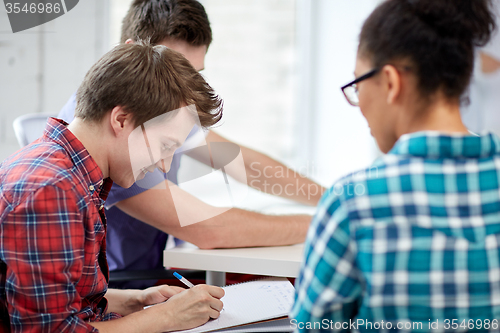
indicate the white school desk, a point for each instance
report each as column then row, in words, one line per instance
column 275, row 261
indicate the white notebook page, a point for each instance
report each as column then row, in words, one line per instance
column 250, row 302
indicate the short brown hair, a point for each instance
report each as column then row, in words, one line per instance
column 157, row 20
column 147, row 81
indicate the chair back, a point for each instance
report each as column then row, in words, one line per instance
column 30, row 127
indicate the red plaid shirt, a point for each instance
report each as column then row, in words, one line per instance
column 53, row 269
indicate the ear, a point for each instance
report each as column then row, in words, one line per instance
column 129, row 41
column 392, row 82
column 120, row 120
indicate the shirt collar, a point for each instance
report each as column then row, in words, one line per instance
column 56, row 131
column 430, row 144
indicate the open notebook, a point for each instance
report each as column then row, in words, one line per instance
column 253, row 302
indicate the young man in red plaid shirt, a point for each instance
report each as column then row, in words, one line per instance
column 53, row 269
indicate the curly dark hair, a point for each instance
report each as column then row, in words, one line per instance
column 435, row 37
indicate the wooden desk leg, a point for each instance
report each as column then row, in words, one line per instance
column 216, row 278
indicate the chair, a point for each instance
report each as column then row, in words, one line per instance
column 30, row 127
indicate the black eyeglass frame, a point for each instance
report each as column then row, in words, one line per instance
column 355, row 81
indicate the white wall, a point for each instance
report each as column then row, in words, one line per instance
column 251, row 64
column 118, row 10
column 40, row 68
column 333, row 138
column 279, row 66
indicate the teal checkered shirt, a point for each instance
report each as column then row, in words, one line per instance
column 412, row 242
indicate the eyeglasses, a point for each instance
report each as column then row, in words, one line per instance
column 350, row 90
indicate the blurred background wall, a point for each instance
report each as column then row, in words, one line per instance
column 41, row 67
column 278, row 65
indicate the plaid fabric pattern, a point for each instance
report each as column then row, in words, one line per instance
column 413, row 238
column 53, row 270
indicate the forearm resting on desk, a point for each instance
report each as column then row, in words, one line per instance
column 241, row 228
column 232, row 228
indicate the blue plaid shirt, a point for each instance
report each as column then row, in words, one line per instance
column 413, row 241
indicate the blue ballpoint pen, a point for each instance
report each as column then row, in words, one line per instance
column 183, row 280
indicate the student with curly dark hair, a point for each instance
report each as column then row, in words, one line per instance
column 419, row 242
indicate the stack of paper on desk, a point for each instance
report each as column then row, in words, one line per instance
column 253, row 302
